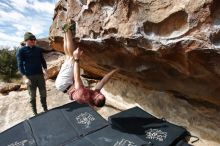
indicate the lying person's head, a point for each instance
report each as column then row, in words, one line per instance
column 98, row 99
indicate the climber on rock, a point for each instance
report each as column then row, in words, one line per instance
column 68, row 79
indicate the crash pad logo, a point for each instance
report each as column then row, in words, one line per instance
column 156, row 134
column 21, row 143
column 125, row 142
column 85, row 119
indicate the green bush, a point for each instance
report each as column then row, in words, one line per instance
column 8, row 64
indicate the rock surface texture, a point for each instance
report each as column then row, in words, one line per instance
column 168, row 46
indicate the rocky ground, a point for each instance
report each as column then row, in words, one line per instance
column 15, row 107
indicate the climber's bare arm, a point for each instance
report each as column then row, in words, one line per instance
column 105, row 79
column 78, row 82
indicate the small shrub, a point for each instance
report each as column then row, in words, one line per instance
column 8, row 64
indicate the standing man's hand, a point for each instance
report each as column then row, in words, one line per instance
column 26, row 80
column 77, row 53
column 45, row 74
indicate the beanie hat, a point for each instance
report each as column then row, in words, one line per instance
column 28, row 35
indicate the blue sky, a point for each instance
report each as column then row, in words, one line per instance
column 19, row 16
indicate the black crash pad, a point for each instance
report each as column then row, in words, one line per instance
column 108, row 136
column 67, row 122
column 19, row 135
column 154, row 131
column 76, row 124
column 80, row 142
column 55, row 127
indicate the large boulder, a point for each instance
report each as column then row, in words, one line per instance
column 166, row 45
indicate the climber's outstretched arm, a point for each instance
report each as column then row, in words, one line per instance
column 105, row 79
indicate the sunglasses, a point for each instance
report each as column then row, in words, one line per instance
column 32, row 39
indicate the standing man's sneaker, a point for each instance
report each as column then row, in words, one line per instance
column 35, row 113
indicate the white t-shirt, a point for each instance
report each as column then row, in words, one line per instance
column 65, row 77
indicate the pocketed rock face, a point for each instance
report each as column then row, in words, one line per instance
column 167, row 45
